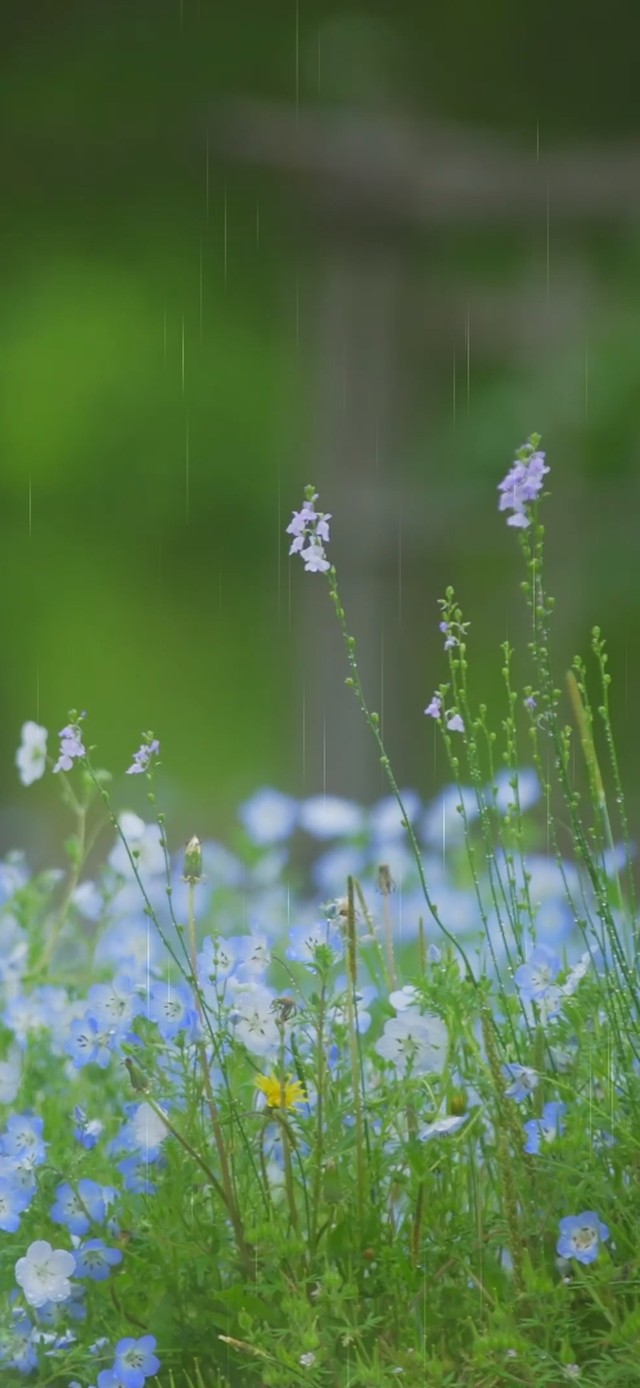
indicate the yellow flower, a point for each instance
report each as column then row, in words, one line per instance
column 281, row 1094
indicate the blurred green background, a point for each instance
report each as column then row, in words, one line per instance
column 191, row 331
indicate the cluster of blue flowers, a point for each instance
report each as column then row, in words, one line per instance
column 141, row 1011
column 100, row 1029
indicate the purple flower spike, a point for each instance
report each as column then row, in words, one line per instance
column 71, row 744
column 523, row 483
column 434, row 709
column 142, row 758
column 310, row 527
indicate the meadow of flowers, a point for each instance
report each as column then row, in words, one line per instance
column 353, row 1099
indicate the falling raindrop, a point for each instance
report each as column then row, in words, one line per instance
column 467, row 337
column 201, row 291
column 586, row 381
column 225, row 235
column 548, row 244
column 187, row 476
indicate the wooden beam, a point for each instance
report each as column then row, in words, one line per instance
column 414, row 175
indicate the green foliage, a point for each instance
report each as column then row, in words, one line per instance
column 389, row 1210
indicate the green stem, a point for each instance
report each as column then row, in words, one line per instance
column 353, row 1052
column 373, row 722
column 288, row 1173
column 319, row 1152
column 82, row 849
column 225, row 1172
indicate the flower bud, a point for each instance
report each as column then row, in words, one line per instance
column 193, row 861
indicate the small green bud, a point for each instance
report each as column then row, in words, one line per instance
column 138, row 1080
column 193, row 861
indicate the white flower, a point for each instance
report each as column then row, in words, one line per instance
column 88, row 901
column 44, row 1273
column 328, row 817
column 275, row 1175
column 252, row 954
column 405, row 997
column 441, row 1127
column 31, row 755
column 147, row 1128
column 143, row 840
column 576, row 974
column 10, row 1076
column 252, row 1016
column 412, row 1037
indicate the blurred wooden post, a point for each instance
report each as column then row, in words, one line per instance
column 354, row 430
column 370, row 186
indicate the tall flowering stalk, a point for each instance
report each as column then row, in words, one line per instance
column 521, row 491
column 459, row 719
column 310, row 532
column 519, row 495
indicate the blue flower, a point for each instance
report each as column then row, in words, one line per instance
column 135, row 1361
column 524, row 1081
column 172, row 1007
column 17, row 1348
column 581, row 1236
column 535, row 978
column 546, row 1128
column 330, row 817
column 526, row 794
column 89, row 1043
column 330, row 871
column 305, row 940
column 94, row 1259
column 135, row 1175
column 114, row 1005
column 364, row 996
column 269, row 816
column 144, row 1132
column 14, row 1200
column 77, row 1209
column 87, row 1130
column 385, row 818
column 23, row 1141
column 442, row 823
